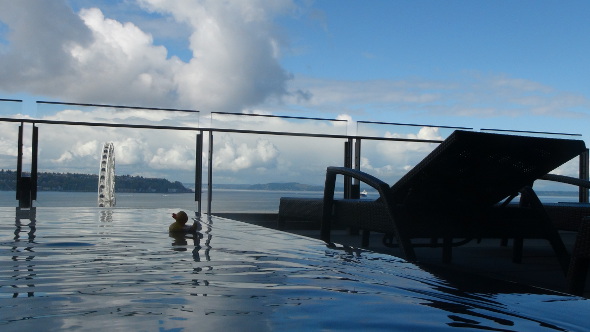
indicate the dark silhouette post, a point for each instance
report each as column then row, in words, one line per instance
column 26, row 186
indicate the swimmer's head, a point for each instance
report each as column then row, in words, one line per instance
column 180, row 217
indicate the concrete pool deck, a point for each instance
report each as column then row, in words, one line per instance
column 539, row 266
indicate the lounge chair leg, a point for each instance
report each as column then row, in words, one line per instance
column 576, row 276
column 517, row 250
column 280, row 223
column 580, row 260
column 327, row 207
column 551, row 232
column 562, row 254
column 325, row 233
column 447, row 250
column 365, row 238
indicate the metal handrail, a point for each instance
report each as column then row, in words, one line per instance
column 413, row 125
column 277, row 116
column 529, row 132
column 198, row 174
column 117, row 106
column 203, row 129
column 350, row 139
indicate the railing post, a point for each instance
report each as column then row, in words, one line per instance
column 210, row 173
column 19, row 160
column 348, row 190
column 355, row 187
column 327, row 208
column 26, row 186
column 584, row 174
column 199, row 171
column 357, row 157
column 35, row 151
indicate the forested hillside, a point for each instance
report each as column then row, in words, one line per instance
column 89, row 182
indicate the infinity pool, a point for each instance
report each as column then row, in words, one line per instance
column 119, row 269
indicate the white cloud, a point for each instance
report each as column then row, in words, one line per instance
column 8, row 145
column 89, row 148
column 471, row 95
column 121, row 64
column 131, row 151
column 88, row 57
column 383, row 172
column 177, row 157
column 424, row 133
column 235, row 52
column 266, row 151
column 390, row 160
column 64, row 158
column 280, row 124
column 40, row 34
column 353, row 96
column 236, row 157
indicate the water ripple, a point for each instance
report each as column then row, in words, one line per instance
column 125, row 271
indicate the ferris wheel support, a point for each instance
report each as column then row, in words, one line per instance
column 106, row 176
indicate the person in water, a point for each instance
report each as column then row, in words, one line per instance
column 179, row 225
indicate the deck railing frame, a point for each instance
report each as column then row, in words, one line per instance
column 351, row 153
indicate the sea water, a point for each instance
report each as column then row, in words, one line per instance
column 223, row 200
column 89, row 269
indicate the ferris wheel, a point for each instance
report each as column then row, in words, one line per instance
column 106, row 176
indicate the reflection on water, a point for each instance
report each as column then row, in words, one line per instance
column 23, row 267
column 106, row 216
column 91, row 268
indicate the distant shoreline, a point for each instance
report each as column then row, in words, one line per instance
column 275, row 186
column 556, row 193
column 76, row 182
column 234, row 187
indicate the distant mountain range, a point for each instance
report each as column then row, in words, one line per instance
column 279, row 186
column 89, row 182
column 136, row 184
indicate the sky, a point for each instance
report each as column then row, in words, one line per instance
column 513, row 65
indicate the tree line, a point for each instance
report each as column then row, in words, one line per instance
column 48, row 181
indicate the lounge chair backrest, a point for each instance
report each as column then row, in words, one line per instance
column 475, row 169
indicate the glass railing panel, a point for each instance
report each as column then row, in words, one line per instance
column 251, row 172
column 108, row 114
column 11, row 108
column 149, row 165
column 563, row 135
column 274, row 123
column 8, row 161
column 550, row 191
column 405, row 130
column 390, row 160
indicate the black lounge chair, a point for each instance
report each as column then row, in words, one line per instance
column 572, row 216
column 461, row 190
column 567, row 215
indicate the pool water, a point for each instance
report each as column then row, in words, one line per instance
column 119, row 269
